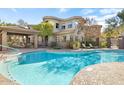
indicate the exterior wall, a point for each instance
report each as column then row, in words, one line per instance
column 121, row 42
column 61, row 23
column 64, row 43
column 35, row 41
column 40, row 41
column 114, row 43
column 69, row 22
column 92, row 32
column 51, row 39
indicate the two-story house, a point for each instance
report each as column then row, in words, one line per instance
column 71, row 29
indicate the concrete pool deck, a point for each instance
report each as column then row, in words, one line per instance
column 114, row 69
column 5, row 81
column 101, row 74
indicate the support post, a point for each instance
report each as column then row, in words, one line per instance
column 4, row 40
column 35, row 41
column 26, row 41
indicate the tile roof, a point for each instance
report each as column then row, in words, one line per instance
column 17, row 29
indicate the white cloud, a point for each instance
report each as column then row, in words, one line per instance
column 109, row 11
column 63, row 10
column 101, row 19
column 13, row 10
column 106, row 14
column 87, row 11
column 91, row 16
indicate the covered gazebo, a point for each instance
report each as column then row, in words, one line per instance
column 24, row 35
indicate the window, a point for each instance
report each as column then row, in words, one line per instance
column 46, row 21
column 70, row 26
column 57, row 25
column 63, row 27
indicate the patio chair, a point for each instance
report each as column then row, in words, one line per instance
column 90, row 45
column 83, row 45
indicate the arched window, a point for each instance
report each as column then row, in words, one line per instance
column 70, row 26
column 63, row 27
column 57, row 25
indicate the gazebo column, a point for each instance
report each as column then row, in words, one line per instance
column 35, row 41
column 4, row 40
column 27, row 41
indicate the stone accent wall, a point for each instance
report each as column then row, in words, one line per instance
column 121, row 42
column 91, row 31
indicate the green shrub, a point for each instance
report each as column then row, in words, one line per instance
column 75, row 45
column 56, row 47
column 90, row 41
column 70, row 44
column 103, row 44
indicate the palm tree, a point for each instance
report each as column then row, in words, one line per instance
column 45, row 30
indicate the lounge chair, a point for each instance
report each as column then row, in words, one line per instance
column 91, row 46
column 83, row 45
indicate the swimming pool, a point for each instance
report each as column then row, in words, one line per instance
column 57, row 68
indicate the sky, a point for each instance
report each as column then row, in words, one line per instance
column 35, row 15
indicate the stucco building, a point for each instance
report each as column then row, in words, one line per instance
column 71, row 29
column 65, row 30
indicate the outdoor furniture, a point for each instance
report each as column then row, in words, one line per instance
column 83, row 45
column 90, row 45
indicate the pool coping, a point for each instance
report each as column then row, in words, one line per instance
column 6, row 81
column 86, row 75
column 62, row 50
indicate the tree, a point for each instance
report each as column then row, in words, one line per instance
column 91, row 21
column 121, row 16
column 10, row 24
column 115, row 26
column 45, row 30
column 112, row 27
column 22, row 22
column 112, row 22
column 3, row 23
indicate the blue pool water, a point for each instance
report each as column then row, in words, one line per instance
column 56, row 68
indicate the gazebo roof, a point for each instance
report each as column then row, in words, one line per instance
column 18, row 29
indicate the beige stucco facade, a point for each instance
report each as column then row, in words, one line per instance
column 73, row 28
column 65, row 30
